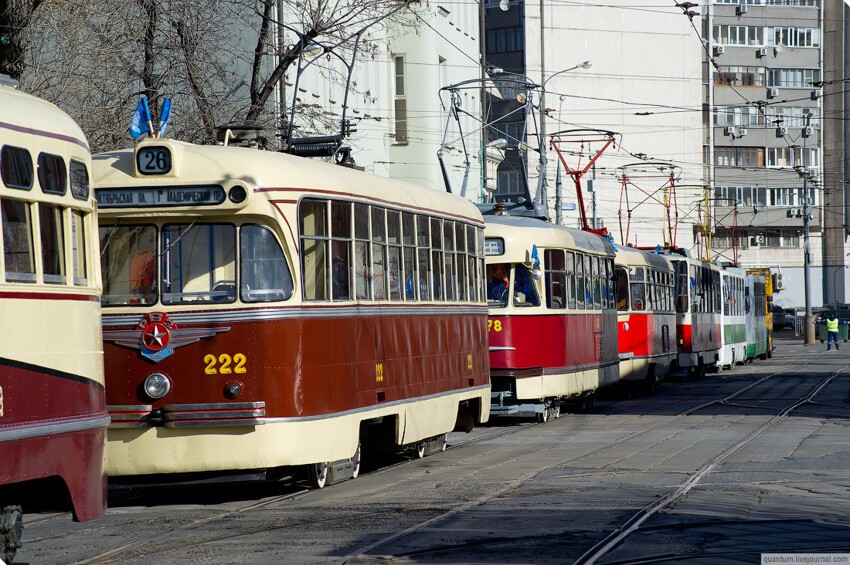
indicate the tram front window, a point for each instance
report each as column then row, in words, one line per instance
column 199, row 263
column 264, row 270
column 128, row 263
column 498, row 285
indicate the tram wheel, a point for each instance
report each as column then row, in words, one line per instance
column 317, row 474
column 543, row 417
column 355, row 462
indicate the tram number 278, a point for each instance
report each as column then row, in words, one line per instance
column 494, row 325
column 224, row 364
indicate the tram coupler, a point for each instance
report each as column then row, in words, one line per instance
column 504, row 405
column 12, row 530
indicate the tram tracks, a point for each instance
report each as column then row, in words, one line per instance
column 516, row 483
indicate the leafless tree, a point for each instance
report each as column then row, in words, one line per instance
column 219, row 60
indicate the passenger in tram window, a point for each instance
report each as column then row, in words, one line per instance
column 621, row 288
column 525, row 290
column 339, row 272
column 497, row 282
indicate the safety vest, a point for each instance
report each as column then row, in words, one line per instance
column 832, row 325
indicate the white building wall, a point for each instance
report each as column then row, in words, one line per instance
column 645, row 59
column 433, row 34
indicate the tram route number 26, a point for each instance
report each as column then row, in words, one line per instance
column 224, row 364
column 494, row 325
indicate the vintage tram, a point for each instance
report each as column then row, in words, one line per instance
column 552, row 325
column 263, row 311
column 644, row 284
column 53, row 416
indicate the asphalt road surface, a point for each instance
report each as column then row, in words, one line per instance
column 717, row 470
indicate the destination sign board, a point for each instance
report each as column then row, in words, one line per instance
column 494, row 246
column 170, row 196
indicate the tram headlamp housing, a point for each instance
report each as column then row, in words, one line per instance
column 233, row 389
column 157, row 385
column 237, row 194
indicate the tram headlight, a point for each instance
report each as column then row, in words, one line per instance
column 233, row 389
column 237, row 194
column 157, row 385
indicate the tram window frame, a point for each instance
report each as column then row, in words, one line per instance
column 437, row 264
column 52, row 174
column 423, row 256
column 51, row 227
column 315, row 241
column 78, row 175
column 637, row 289
column 588, row 283
column 171, row 258
column 341, row 250
column 140, row 258
column 471, row 263
column 16, row 167
column 569, row 269
column 15, row 254
column 460, row 262
column 597, row 283
column 378, row 217
column 79, row 258
column 408, row 256
column 580, row 283
column 450, row 260
column 263, row 254
column 555, row 276
column 362, row 259
column 621, row 288
column 394, row 256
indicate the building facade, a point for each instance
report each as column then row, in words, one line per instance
column 764, row 137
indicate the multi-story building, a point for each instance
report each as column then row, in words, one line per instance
column 764, row 136
column 644, row 85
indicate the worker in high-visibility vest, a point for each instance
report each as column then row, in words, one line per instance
column 831, row 331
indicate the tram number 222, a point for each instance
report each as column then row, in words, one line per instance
column 494, row 326
column 224, row 364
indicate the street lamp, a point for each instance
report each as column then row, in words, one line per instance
column 542, row 183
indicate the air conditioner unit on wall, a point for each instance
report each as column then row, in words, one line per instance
column 772, row 92
column 781, row 131
column 741, row 9
column 754, row 242
column 808, row 131
column 719, row 49
column 729, row 130
column 761, row 52
column 742, row 132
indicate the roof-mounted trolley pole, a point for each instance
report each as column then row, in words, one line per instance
column 586, row 139
column 667, row 173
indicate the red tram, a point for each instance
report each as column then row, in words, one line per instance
column 264, row 311
column 644, row 285
column 553, row 338
column 53, row 416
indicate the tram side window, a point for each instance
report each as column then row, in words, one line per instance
column 52, row 174
column 263, row 270
column 498, row 284
column 570, row 267
column 313, row 228
column 588, row 283
column 79, row 180
column 579, row 276
column 637, row 289
column 52, row 230
column 621, row 288
column 16, row 167
column 17, row 241
column 449, row 258
column 423, row 250
column 556, row 279
column 472, row 265
column 460, row 261
column 394, row 253
column 609, row 282
column 362, row 257
column 341, row 250
column 78, row 248
column 128, row 263
column 198, row 263
column 525, row 290
column 437, row 258
column 408, row 240
column 379, row 253
column 597, row 289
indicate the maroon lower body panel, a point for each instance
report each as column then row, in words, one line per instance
column 53, row 424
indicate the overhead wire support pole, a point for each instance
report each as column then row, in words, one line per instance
column 809, row 333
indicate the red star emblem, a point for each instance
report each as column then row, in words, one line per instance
column 156, row 330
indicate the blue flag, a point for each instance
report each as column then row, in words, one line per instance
column 140, row 124
column 535, row 257
column 164, row 115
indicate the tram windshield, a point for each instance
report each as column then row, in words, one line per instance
column 499, row 277
column 191, row 263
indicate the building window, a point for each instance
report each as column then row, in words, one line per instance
column 792, row 157
column 741, row 195
column 739, row 156
column 804, row 3
column 793, row 36
column 510, row 184
column 738, row 35
column 505, row 40
column 746, row 116
column 790, row 116
column 737, row 75
column 792, row 78
column 400, row 101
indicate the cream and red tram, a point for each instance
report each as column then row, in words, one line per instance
column 644, row 286
column 53, row 416
column 552, row 326
column 265, row 311
column 698, row 308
